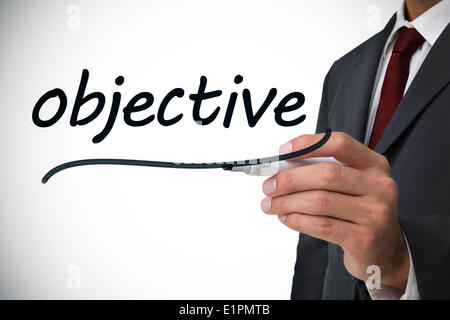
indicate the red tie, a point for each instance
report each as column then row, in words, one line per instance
column 408, row 41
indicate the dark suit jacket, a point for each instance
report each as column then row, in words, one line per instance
column 417, row 143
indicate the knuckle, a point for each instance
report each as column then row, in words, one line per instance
column 296, row 222
column 278, row 205
column 384, row 164
column 381, row 211
column 341, row 140
column 330, row 172
column 320, row 201
column 285, row 179
column 367, row 239
column 389, row 186
column 324, row 227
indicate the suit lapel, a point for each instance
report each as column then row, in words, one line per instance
column 432, row 77
column 360, row 80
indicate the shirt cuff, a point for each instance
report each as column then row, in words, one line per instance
column 386, row 292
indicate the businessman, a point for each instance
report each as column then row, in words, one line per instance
column 388, row 204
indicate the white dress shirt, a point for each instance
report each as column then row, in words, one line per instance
column 430, row 25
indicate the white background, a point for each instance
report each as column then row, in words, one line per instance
column 127, row 232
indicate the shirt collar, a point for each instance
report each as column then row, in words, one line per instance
column 430, row 24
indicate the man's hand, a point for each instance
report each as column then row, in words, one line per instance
column 353, row 204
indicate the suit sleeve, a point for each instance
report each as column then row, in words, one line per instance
column 429, row 243
column 312, row 253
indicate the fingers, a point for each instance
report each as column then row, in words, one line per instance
column 324, row 176
column 342, row 147
column 325, row 228
column 320, row 203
